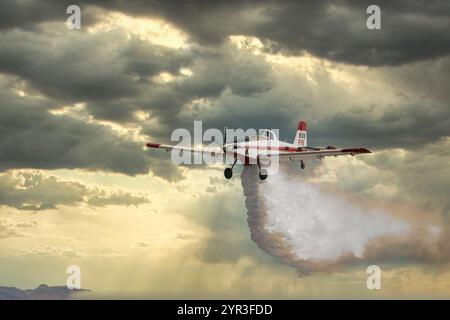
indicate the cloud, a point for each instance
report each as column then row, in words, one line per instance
column 116, row 81
column 408, row 126
column 119, row 199
column 35, row 191
column 85, row 67
column 223, row 80
column 421, row 175
column 35, row 138
column 333, row 30
column 344, row 106
column 53, row 251
column 337, row 31
column 7, row 231
column 26, row 14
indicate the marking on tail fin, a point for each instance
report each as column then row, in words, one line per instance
column 300, row 137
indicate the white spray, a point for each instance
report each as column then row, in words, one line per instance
column 313, row 229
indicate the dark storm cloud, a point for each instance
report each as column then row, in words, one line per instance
column 146, row 59
column 216, row 71
column 407, row 127
column 114, row 76
column 138, row 61
column 225, row 67
column 74, row 70
column 336, row 30
column 82, row 67
column 114, row 80
column 34, row 138
column 34, row 191
column 25, row 14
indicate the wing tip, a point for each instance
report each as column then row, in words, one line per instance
column 153, row 145
column 357, row 150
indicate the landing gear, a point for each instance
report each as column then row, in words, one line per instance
column 302, row 164
column 262, row 172
column 228, row 172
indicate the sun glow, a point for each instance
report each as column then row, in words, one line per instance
column 155, row 30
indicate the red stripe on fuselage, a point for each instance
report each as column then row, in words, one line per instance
column 288, row 149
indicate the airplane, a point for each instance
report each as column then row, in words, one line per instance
column 262, row 148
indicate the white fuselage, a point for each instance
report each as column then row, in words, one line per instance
column 248, row 151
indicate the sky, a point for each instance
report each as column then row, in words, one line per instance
column 78, row 186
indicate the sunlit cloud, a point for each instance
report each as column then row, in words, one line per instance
column 150, row 29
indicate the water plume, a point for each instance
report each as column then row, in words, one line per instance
column 313, row 229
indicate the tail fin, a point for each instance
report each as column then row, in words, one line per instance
column 300, row 137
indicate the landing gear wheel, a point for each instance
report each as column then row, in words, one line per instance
column 228, row 173
column 302, row 165
column 263, row 174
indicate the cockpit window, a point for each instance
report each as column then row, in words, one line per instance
column 268, row 134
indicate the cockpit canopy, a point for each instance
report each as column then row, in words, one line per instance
column 267, row 134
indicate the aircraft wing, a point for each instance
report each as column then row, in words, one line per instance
column 291, row 154
column 168, row 147
column 319, row 153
